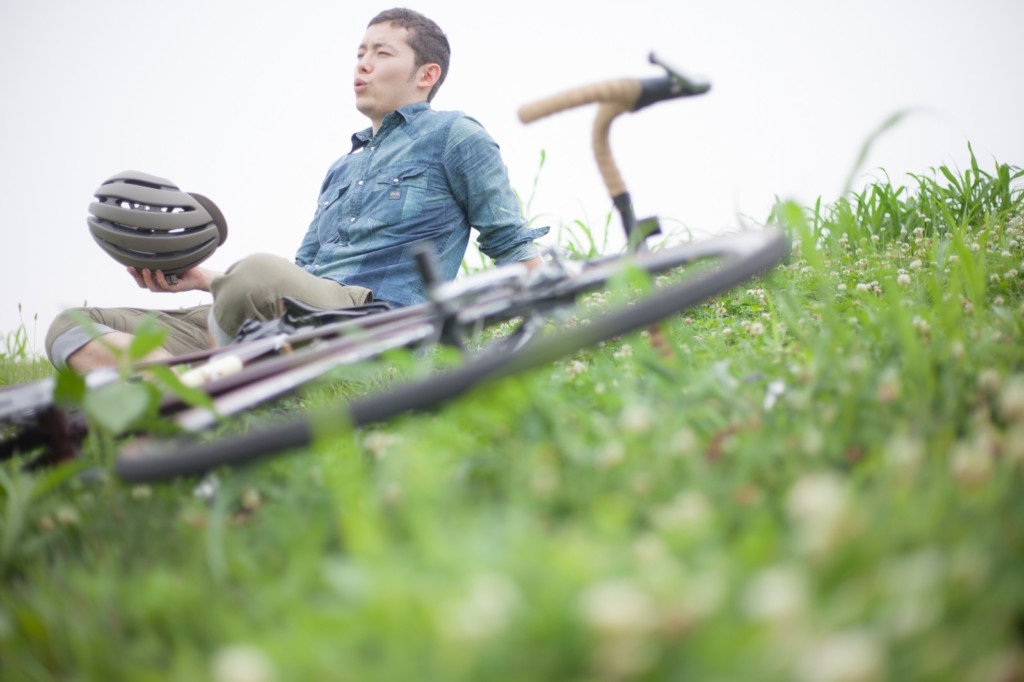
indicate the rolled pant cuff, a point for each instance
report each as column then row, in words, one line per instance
column 65, row 345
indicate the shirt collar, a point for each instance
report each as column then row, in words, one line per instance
column 406, row 114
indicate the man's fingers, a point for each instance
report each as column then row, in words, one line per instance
column 137, row 276
column 155, row 281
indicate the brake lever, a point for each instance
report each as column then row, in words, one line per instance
column 681, row 83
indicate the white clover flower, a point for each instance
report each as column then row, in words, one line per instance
column 67, row 515
column 251, row 500
column 689, row 511
column 141, row 492
column 903, row 279
column 637, row 419
column 812, row 441
column 1014, row 444
column 841, row 287
column 379, row 443
column 650, row 549
column 845, row 656
column 241, row 663
column 756, row 329
column 486, row 608
column 611, row 455
column 618, row 607
column 575, row 369
column 683, row 442
column 857, row 364
column 904, row 452
column 777, row 595
column 1011, row 399
column 971, row 463
column 775, row 390
column 819, row 507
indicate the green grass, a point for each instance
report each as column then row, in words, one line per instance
column 824, row 484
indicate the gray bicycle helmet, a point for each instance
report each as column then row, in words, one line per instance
column 146, row 221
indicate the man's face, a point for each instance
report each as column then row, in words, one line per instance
column 386, row 73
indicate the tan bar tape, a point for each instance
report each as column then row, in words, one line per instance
column 625, row 91
column 606, row 113
column 616, row 97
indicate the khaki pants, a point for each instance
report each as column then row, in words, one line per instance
column 252, row 288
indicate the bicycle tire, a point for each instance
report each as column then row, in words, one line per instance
column 742, row 257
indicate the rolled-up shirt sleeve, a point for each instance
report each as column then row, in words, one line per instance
column 480, row 184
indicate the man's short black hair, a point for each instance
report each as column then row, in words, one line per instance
column 427, row 40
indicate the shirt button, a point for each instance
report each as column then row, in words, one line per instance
column 351, row 220
column 395, row 181
column 360, row 182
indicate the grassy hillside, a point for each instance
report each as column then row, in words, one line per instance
column 824, row 484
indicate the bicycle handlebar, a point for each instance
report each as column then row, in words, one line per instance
column 615, row 97
column 630, row 94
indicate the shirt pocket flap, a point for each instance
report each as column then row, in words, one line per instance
column 331, row 195
column 399, row 176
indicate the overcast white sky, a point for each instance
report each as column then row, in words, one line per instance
column 250, row 101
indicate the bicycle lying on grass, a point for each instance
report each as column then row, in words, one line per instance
column 255, row 371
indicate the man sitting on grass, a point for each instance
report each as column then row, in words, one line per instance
column 415, row 176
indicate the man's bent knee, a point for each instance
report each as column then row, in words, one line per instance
column 251, row 288
column 67, row 334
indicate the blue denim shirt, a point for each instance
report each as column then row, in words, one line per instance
column 426, row 176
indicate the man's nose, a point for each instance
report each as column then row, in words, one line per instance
column 363, row 65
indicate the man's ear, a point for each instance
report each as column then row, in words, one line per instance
column 429, row 75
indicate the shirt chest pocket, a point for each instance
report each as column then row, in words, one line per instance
column 327, row 208
column 397, row 194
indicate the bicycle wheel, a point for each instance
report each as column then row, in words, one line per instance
column 741, row 257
